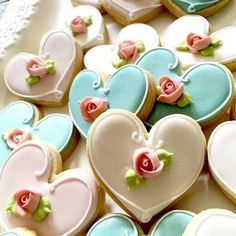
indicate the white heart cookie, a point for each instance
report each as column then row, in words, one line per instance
column 118, row 135
column 212, row 222
column 177, row 32
column 100, row 58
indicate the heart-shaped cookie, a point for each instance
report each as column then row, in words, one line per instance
column 129, row 88
column 45, row 78
column 50, row 202
column 19, row 232
column 173, row 223
column 199, row 85
column 137, row 33
column 88, row 30
column 177, row 33
column 144, row 173
column 200, row 7
column 212, row 222
column 221, row 149
column 56, row 129
column 127, row 12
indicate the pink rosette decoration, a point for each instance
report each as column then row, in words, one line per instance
column 196, row 42
column 171, row 90
column 146, row 163
column 78, row 25
column 36, row 66
column 26, row 202
column 128, row 50
column 92, row 107
column 15, row 137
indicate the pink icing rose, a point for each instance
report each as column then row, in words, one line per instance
column 171, row 90
column 197, row 42
column 78, row 25
column 26, row 202
column 92, row 107
column 128, row 50
column 36, row 66
column 17, row 136
column 146, row 163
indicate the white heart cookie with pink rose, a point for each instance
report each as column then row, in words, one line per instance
column 131, row 42
column 190, row 39
column 144, row 173
column 46, row 77
column 45, row 199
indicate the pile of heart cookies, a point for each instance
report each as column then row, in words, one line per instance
column 136, row 118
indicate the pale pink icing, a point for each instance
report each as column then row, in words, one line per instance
column 128, row 50
column 92, row 107
column 17, row 136
column 146, row 163
column 36, row 66
column 26, row 202
column 78, row 25
column 171, row 90
column 197, row 42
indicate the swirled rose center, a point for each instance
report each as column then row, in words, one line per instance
column 91, row 107
column 24, row 199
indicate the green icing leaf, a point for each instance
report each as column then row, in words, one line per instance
column 4, row 137
column 43, row 209
column 11, row 206
column 140, row 45
column 88, row 20
column 184, row 100
column 182, row 46
column 216, row 42
column 50, row 65
column 31, row 80
column 206, row 52
column 117, row 63
column 165, row 156
column 132, row 180
column 158, row 90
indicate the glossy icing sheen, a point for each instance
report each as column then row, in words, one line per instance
column 115, row 225
column 192, row 6
column 221, row 156
column 134, row 32
column 177, row 32
column 114, row 137
column 76, row 187
column 48, row 129
column 9, row 234
column 61, row 48
column 95, row 32
column 212, row 222
column 202, row 82
column 130, row 97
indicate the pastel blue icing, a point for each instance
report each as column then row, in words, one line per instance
column 192, row 6
column 9, row 234
column 56, row 129
column 114, row 225
column 126, row 89
column 3, row 7
column 173, row 224
column 208, row 84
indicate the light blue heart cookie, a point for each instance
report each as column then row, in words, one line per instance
column 128, row 89
column 56, row 129
column 9, row 234
column 210, row 86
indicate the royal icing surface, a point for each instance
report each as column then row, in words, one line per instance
column 177, row 32
column 212, row 222
column 115, row 224
column 57, row 46
column 72, row 194
column 134, row 32
column 9, row 234
column 221, row 148
column 88, row 83
column 48, row 129
column 96, row 3
column 132, row 10
column 95, row 32
column 114, row 137
column 201, row 82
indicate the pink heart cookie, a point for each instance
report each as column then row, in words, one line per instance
column 136, row 168
column 45, row 79
column 36, row 195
